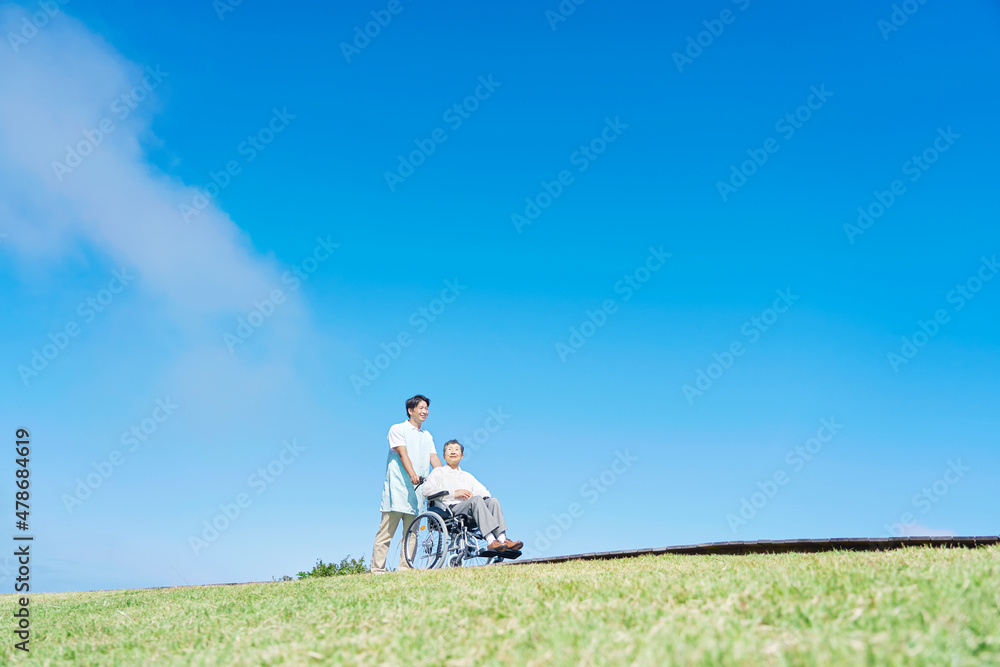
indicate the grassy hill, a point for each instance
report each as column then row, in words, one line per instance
column 914, row 606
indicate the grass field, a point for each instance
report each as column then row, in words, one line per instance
column 914, row 606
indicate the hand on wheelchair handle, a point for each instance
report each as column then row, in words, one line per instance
column 420, row 480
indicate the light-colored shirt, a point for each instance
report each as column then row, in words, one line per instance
column 448, row 479
column 398, row 494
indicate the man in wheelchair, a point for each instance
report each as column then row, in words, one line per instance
column 467, row 497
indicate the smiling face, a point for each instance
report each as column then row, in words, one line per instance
column 452, row 454
column 419, row 414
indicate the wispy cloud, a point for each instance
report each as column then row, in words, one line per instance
column 55, row 93
column 61, row 93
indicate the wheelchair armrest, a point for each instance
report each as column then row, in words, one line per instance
column 435, row 496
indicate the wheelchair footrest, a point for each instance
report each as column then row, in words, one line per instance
column 499, row 554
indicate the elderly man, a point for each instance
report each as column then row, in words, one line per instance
column 411, row 456
column 468, row 497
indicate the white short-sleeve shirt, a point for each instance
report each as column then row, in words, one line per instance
column 398, row 494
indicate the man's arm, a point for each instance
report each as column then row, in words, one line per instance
column 397, row 442
column 404, row 458
column 435, row 461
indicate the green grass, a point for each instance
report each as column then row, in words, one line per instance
column 914, row 606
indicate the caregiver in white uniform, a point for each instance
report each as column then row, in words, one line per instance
column 411, row 456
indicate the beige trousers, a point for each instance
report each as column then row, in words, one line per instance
column 386, row 529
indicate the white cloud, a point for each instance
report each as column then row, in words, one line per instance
column 195, row 278
column 62, row 83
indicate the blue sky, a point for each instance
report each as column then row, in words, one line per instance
column 686, row 192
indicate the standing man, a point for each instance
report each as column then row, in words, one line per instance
column 411, row 456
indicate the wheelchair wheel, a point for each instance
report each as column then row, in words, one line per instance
column 465, row 556
column 426, row 542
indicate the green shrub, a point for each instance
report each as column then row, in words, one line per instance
column 347, row 566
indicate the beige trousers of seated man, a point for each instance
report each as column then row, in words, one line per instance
column 386, row 529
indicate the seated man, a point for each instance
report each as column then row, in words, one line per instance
column 466, row 496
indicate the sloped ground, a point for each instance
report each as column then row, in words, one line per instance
column 912, row 606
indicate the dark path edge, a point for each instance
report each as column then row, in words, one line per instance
column 780, row 546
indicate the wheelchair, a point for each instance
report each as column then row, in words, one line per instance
column 437, row 538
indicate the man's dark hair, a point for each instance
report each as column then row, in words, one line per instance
column 453, row 442
column 412, row 403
